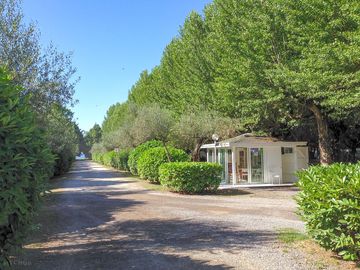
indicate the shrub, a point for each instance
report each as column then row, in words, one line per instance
column 108, row 158
column 191, row 177
column 61, row 136
column 117, row 160
column 120, row 160
column 26, row 163
column 97, row 157
column 329, row 202
column 151, row 159
column 63, row 161
column 138, row 151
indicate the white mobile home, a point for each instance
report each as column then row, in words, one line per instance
column 251, row 160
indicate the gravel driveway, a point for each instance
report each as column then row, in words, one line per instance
column 97, row 218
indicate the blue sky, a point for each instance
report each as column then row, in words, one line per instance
column 112, row 40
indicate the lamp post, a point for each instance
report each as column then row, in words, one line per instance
column 215, row 138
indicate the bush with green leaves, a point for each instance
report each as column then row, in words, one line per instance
column 191, row 177
column 115, row 159
column 152, row 159
column 61, row 136
column 329, row 203
column 63, row 161
column 120, row 160
column 97, row 157
column 26, row 163
column 137, row 152
column 108, row 158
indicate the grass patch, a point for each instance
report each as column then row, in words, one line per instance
column 314, row 253
column 289, row 236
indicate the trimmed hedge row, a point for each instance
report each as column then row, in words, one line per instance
column 117, row 160
column 98, row 157
column 150, row 161
column 329, row 203
column 120, row 160
column 136, row 153
column 26, row 163
column 191, row 177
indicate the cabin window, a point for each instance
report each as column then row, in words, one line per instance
column 286, row 150
column 210, row 155
column 222, row 162
column 229, row 166
column 203, row 155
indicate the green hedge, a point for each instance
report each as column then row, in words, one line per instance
column 138, row 151
column 97, row 157
column 26, row 163
column 150, row 161
column 107, row 158
column 63, row 161
column 191, row 177
column 120, row 160
column 117, row 160
column 329, row 202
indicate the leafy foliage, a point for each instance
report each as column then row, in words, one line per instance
column 35, row 126
column 192, row 130
column 82, row 145
column 115, row 159
column 26, row 163
column 136, row 153
column 120, row 160
column 66, row 146
column 152, row 123
column 93, row 136
column 115, row 117
column 150, row 161
column 46, row 79
column 271, row 64
column 98, row 157
column 45, row 74
column 107, row 158
column 190, row 177
column 329, row 202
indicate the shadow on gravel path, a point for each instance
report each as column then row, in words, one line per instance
column 97, row 218
column 145, row 244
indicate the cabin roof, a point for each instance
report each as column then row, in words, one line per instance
column 252, row 139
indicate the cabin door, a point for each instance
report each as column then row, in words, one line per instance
column 257, row 165
column 242, row 166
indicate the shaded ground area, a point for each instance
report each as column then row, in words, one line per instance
column 97, row 218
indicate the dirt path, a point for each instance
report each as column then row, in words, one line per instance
column 100, row 219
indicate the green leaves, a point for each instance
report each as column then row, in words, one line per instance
column 329, row 202
column 265, row 63
column 136, row 153
column 150, row 161
column 26, row 163
column 117, row 160
column 64, row 147
column 191, row 177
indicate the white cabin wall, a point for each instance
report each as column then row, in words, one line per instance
column 302, row 158
column 272, row 165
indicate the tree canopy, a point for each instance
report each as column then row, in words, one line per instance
column 45, row 76
column 276, row 66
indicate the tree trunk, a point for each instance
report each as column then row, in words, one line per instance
column 324, row 135
column 195, row 155
column 167, row 152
